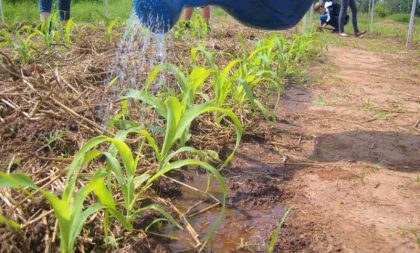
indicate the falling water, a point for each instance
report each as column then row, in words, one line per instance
column 137, row 53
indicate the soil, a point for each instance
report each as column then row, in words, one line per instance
column 350, row 174
column 354, row 183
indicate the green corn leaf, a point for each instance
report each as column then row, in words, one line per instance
column 197, row 110
column 174, row 113
column 196, row 80
column 125, row 155
column 104, row 195
column 77, row 225
column 163, row 212
column 149, row 99
column 180, row 76
column 16, row 180
column 152, row 142
column 276, row 232
column 114, row 165
column 67, row 31
column 185, row 149
column 121, row 218
column 152, row 76
column 140, row 180
column 154, row 222
column 9, row 222
column 248, row 91
column 208, row 56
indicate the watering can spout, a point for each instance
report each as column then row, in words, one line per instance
column 161, row 15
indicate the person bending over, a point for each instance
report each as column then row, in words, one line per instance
column 329, row 13
column 63, row 10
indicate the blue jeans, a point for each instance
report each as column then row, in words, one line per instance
column 345, row 4
column 63, row 8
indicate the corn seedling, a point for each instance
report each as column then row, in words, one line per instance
column 134, row 186
column 179, row 117
column 189, row 87
column 277, row 232
column 5, row 38
column 23, row 45
column 48, row 141
column 109, row 24
column 69, row 209
column 49, row 30
column 197, row 27
column 67, row 31
column 235, row 81
column 221, row 78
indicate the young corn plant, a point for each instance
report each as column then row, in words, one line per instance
column 67, row 31
column 49, row 30
column 23, row 43
column 221, row 78
column 260, row 67
column 189, row 86
column 233, row 85
column 302, row 48
column 179, row 115
column 5, row 38
column 110, row 24
column 133, row 186
column 197, row 27
column 69, row 209
column 179, row 112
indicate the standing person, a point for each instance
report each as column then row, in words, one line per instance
column 345, row 4
column 63, row 10
column 205, row 13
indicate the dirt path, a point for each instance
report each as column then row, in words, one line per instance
column 352, row 139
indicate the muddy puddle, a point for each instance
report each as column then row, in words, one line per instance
column 253, row 211
column 255, row 180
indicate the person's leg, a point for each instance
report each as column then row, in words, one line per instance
column 353, row 8
column 188, row 13
column 64, row 10
column 342, row 17
column 44, row 9
column 334, row 23
column 205, row 13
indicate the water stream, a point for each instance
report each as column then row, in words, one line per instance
column 137, row 53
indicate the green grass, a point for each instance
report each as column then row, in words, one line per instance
column 81, row 11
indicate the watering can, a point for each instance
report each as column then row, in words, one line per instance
column 160, row 16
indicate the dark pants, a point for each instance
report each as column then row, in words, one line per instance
column 343, row 12
column 63, row 8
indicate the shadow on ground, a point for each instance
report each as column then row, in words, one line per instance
column 390, row 149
